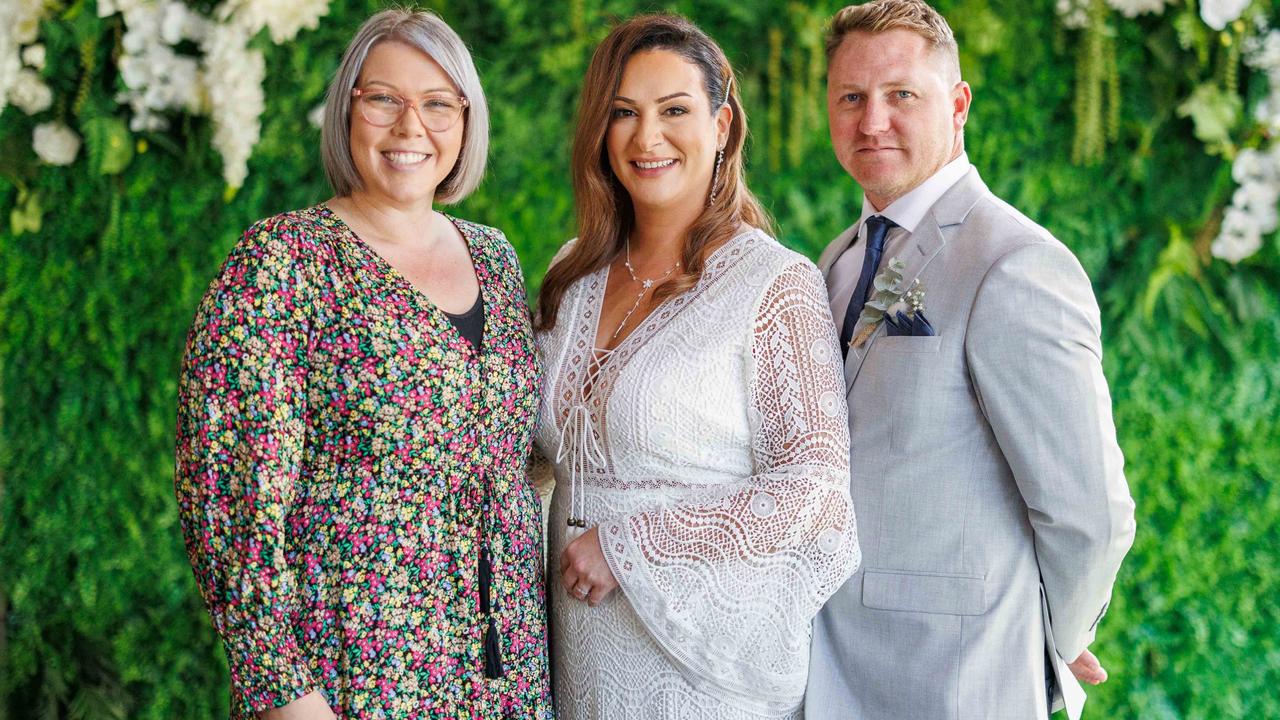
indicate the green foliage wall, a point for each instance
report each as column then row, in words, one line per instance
column 99, row 614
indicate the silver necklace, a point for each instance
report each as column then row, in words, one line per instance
column 645, row 285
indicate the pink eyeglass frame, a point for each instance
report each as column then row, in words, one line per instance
column 356, row 93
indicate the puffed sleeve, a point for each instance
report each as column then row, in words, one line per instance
column 728, row 585
column 240, row 443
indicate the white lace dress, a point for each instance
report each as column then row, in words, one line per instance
column 711, row 448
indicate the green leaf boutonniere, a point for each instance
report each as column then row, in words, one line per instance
column 888, row 296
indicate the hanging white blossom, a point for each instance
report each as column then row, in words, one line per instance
column 1253, row 212
column 29, row 93
column 55, row 143
column 233, row 74
column 1134, row 8
column 1218, row 14
column 156, row 77
column 282, row 18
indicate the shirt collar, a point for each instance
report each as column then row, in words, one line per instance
column 908, row 210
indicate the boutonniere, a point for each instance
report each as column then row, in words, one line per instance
column 890, row 298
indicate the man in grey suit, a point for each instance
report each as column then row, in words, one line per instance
column 992, row 504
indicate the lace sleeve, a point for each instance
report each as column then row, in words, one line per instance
column 728, row 585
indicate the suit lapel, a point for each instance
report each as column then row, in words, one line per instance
column 834, row 249
column 838, row 285
column 921, row 248
column 916, row 253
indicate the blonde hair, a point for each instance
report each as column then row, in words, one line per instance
column 605, row 214
column 425, row 31
column 880, row 16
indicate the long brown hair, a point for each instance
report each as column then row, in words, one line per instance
column 603, row 207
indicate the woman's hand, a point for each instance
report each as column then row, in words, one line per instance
column 584, row 571
column 311, row 706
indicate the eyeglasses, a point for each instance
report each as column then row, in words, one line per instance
column 437, row 111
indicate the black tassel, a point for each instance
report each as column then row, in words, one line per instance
column 492, row 641
column 493, row 653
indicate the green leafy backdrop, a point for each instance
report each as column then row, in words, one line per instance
column 99, row 613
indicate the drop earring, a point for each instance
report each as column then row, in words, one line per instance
column 715, row 177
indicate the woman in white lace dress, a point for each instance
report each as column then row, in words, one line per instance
column 694, row 408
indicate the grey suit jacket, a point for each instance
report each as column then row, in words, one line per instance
column 993, row 511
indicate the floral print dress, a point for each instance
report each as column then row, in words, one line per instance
column 344, row 460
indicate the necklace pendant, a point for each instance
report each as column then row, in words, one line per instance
column 647, row 283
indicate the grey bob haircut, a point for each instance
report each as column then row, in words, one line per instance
column 425, row 31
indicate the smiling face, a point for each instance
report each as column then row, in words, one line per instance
column 663, row 137
column 402, row 165
column 896, row 113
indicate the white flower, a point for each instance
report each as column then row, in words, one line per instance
column 1253, row 166
column 33, row 57
column 172, row 21
column 55, row 143
column 158, row 81
column 1073, row 13
column 156, row 77
column 1263, row 51
column 1134, row 8
column 316, row 116
column 1239, row 238
column 1255, row 205
column 284, row 18
column 1258, row 202
column 29, row 93
column 1217, row 14
column 1267, row 111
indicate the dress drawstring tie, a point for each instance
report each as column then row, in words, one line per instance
column 493, row 668
column 579, row 445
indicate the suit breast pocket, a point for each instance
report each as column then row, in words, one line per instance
column 923, row 385
column 928, row 344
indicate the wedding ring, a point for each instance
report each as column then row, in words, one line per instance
column 582, row 592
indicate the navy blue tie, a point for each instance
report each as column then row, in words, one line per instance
column 877, row 229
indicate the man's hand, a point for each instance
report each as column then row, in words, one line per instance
column 311, row 706
column 1087, row 669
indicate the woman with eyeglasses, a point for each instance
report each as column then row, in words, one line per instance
column 693, row 405
column 356, row 408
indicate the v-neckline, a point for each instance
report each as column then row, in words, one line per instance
column 420, row 298
column 603, row 353
column 609, row 362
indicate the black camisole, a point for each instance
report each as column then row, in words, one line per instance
column 471, row 323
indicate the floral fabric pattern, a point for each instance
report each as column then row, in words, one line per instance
column 343, row 457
